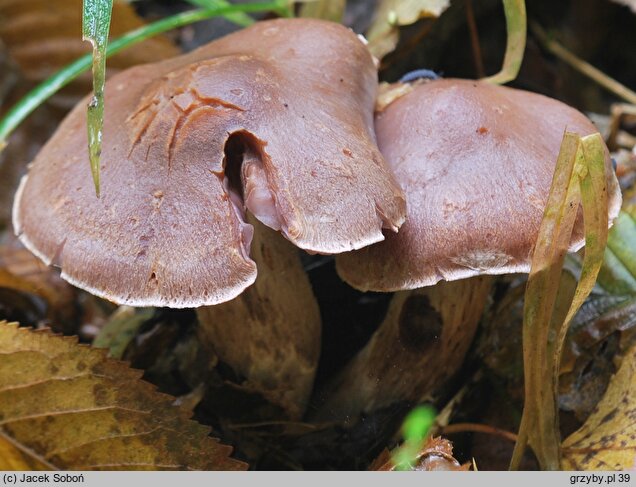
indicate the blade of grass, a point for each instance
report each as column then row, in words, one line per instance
column 95, row 27
column 595, row 74
column 516, row 26
column 44, row 90
column 579, row 179
column 238, row 18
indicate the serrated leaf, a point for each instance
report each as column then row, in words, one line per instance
column 68, row 406
column 391, row 14
column 607, row 440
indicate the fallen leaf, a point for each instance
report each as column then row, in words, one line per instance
column 391, row 14
column 618, row 274
column 435, row 455
column 607, row 440
column 579, row 178
column 68, row 406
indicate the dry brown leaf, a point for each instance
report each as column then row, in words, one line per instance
column 435, row 455
column 391, row 14
column 607, row 440
column 67, row 406
column 43, row 36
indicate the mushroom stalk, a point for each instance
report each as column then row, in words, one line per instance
column 270, row 334
column 420, row 344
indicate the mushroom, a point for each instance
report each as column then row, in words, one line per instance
column 277, row 118
column 476, row 163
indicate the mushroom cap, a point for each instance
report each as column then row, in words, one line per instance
column 169, row 229
column 476, row 163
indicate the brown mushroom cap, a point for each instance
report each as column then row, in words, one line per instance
column 476, row 163
column 167, row 230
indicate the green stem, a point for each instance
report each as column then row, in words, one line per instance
column 50, row 86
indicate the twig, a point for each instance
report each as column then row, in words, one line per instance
column 583, row 67
column 474, row 40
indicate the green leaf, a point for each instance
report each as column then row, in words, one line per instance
column 95, row 28
column 579, row 179
column 618, row 274
column 121, row 329
column 516, row 26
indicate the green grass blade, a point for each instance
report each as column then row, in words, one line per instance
column 44, row 90
column 95, row 27
column 238, row 18
column 516, row 25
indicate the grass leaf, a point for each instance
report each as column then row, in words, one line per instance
column 238, row 18
column 579, row 179
column 516, row 26
column 95, row 27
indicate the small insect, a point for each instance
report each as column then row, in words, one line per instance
column 419, row 74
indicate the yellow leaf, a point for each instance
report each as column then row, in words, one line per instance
column 607, row 440
column 68, row 406
column 324, row 9
column 383, row 33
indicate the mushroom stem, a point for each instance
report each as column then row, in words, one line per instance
column 421, row 343
column 270, row 334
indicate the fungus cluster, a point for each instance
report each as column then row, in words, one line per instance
column 273, row 126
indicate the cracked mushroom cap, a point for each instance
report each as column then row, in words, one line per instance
column 476, row 163
column 294, row 98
